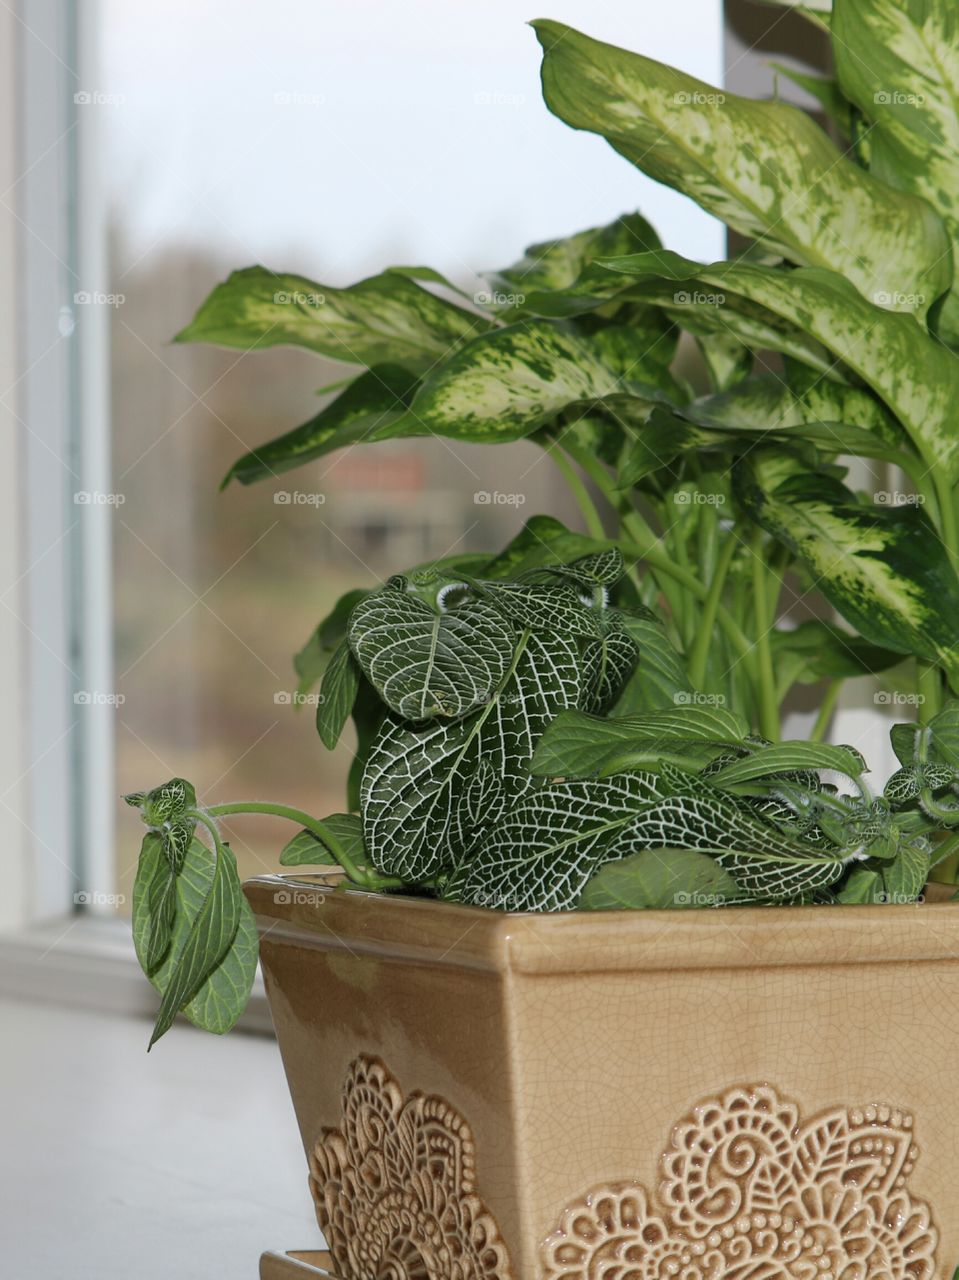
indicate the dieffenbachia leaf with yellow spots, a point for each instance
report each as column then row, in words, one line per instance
column 386, row 318
column 915, row 376
column 765, row 168
column 898, row 61
column 882, row 567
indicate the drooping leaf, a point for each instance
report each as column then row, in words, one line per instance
column 608, row 662
column 883, row 568
column 658, row 879
column 540, row 856
column 386, row 318
column 341, row 683
column 414, row 776
column 426, row 662
column 363, row 412
column 898, row 61
column 659, row 680
column 765, row 168
column 306, row 848
column 209, row 966
column 817, row 650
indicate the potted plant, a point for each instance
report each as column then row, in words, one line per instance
column 513, row 1049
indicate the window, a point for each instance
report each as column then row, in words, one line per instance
column 145, row 151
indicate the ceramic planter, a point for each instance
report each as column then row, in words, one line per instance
column 748, row 1093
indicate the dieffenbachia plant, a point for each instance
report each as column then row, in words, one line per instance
column 506, row 767
column 738, row 499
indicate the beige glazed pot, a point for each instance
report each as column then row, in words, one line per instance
column 758, row 1094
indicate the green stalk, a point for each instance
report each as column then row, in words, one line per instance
column 366, row 879
column 591, row 516
column 929, row 684
column 768, row 701
column 700, row 651
column 826, row 709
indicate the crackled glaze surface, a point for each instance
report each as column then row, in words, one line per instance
column 751, row 1190
column 395, row 1187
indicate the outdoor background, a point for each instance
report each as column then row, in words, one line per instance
column 331, row 141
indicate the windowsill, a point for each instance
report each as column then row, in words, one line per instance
column 86, row 962
column 186, row 1164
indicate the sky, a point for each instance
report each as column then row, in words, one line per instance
column 327, row 138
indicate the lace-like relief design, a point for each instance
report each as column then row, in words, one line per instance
column 395, row 1190
column 751, row 1192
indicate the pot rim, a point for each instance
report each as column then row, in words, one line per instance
column 316, row 910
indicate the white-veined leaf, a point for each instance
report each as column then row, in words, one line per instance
column 425, row 662
column 414, row 777
column 541, row 854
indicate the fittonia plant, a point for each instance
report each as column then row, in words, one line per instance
column 592, row 721
column 500, row 773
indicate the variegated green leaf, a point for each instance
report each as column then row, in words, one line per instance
column 916, row 377
column 540, row 856
column 414, row 776
column 883, row 568
column 508, row 384
column 428, row 662
column 364, row 411
column 558, row 264
column 659, row 879
column 817, row 11
column 765, row 168
column 898, row 61
column 386, row 318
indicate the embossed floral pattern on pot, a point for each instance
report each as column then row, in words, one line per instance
column 751, row 1190
column 395, row 1190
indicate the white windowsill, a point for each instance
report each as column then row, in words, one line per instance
column 85, row 962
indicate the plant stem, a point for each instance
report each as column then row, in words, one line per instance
column 929, row 683
column 826, row 709
column 591, row 516
column 700, row 650
column 768, row 702
column 359, row 875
